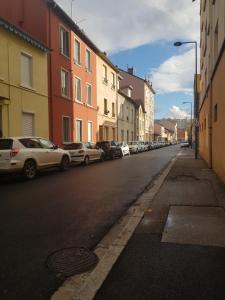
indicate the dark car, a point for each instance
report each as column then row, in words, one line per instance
column 110, row 148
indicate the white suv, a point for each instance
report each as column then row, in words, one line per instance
column 30, row 154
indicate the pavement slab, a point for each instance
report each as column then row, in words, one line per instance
column 195, row 225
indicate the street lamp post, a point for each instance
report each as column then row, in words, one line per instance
column 177, row 44
column 186, row 102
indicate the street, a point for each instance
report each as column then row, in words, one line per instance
column 59, row 210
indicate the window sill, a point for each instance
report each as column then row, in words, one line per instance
column 78, row 64
column 66, row 97
column 90, row 105
column 26, row 87
column 78, row 102
column 66, row 56
column 88, row 71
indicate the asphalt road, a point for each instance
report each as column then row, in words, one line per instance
column 59, row 210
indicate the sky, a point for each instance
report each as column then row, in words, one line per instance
column 140, row 34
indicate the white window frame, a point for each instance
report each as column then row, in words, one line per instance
column 89, row 88
column 68, row 118
column 62, row 94
column 88, row 61
column 63, row 28
column 75, row 89
column 77, row 57
column 81, row 132
column 105, row 74
column 25, row 84
column 91, row 140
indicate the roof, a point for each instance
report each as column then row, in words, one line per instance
column 23, row 35
column 143, row 80
column 127, row 97
column 157, row 128
column 168, row 124
column 76, row 29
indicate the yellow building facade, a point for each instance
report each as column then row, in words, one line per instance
column 23, row 84
column 212, row 104
column 107, row 84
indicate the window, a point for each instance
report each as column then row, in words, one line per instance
column 46, row 144
column 106, row 133
column 66, row 129
column 129, row 92
column 113, row 81
column 28, row 124
column 122, row 111
column 31, row 143
column 77, row 89
column 88, row 61
column 132, row 116
column 88, row 93
column 127, row 135
column 122, row 135
column 65, row 83
column 90, row 132
column 113, row 110
column 216, row 42
column 105, row 107
column 77, row 52
column 114, row 134
column 64, row 41
column 79, row 130
column 105, row 74
column 26, row 70
column 215, row 113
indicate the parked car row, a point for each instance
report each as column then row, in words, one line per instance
column 28, row 155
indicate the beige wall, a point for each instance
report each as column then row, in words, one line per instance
column 106, row 90
column 140, row 124
column 212, row 125
column 16, row 99
column 149, row 116
column 126, row 119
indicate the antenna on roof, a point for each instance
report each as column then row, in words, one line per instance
column 71, row 8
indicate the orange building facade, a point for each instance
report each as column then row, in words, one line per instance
column 72, row 103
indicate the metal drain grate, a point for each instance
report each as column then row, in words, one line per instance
column 71, row 261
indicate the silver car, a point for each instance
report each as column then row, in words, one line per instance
column 84, row 152
column 30, row 154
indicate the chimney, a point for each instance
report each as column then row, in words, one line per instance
column 130, row 70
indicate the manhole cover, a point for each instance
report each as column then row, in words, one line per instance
column 71, row 261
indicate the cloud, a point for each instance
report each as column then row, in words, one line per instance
column 176, row 112
column 175, row 74
column 119, row 25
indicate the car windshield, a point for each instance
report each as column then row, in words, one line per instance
column 74, row 146
column 6, row 144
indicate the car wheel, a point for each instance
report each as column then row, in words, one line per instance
column 86, row 160
column 137, row 151
column 121, row 154
column 65, row 163
column 30, row 169
column 112, row 156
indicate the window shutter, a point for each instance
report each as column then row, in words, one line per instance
column 28, row 124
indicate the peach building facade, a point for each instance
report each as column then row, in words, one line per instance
column 212, row 91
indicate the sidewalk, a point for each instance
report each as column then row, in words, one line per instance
column 178, row 249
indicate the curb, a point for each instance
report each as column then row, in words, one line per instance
column 108, row 250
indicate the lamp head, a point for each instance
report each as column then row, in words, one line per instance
column 177, row 44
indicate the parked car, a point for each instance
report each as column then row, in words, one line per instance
column 184, row 144
column 125, row 148
column 146, row 146
column 134, row 146
column 84, row 152
column 111, row 149
column 30, row 154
